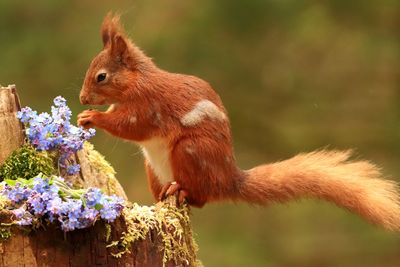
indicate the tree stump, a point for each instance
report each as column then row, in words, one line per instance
column 154, row 245
column 11, row 136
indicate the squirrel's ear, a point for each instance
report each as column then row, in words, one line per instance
column 115, row 40
column 120, row 49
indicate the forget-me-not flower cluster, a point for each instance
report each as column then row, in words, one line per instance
column 54, row 131
column 43, row 199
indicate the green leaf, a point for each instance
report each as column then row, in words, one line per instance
column 10, row 182
column 22, row 181
column 98, row 206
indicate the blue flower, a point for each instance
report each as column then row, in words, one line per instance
column 16, row 194
column 89, row 215
column 42, row 185
column 112, row 207
column 69, row 224
column 59, row 101
column 93, row 196
column 70, row 213
column 26, row 114
column 44, row 118
column 108, row 213
column 23, row 217
column 53, row 208
column 36, row 204
column 73, row 169
column 75, row 131
column 72, row 208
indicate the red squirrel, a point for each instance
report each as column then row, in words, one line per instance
column 183, row 129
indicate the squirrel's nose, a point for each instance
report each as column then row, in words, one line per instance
column 84, row 100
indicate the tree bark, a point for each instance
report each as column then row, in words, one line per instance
column 49, row 246
column 11, row 136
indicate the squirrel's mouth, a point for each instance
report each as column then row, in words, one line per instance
column 105, row 107
column 93, row 99
column 96, row 102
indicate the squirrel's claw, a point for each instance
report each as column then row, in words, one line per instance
column 182, row 195
column 86, row 118
column 173, row 188
column 168, row 190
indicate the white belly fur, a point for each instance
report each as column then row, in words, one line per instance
column 156, row 151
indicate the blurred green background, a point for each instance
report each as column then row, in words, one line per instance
column 294, row 75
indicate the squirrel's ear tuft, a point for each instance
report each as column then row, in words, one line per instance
column 110, row 28
column 115, row 40
column 105, row 29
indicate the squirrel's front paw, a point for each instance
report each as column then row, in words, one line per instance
column 87, row 118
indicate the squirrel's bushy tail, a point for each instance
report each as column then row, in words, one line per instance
column 355, row 185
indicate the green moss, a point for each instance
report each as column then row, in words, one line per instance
column 172, row 223
column 26, row 162
column 108, row 231
column 4, row 201
column 139, row 221
column 176, row 234
column 5, row 233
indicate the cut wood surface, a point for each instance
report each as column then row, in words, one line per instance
column 49, row 246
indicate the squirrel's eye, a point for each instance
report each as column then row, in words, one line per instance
column 101, row 77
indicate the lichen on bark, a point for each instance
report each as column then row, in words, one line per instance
column 172, row 223
column 94, row 165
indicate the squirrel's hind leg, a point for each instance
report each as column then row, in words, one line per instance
column 154, row 183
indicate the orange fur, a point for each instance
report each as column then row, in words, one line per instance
column 181, row 116
column 355, row 185
column 154, row 185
